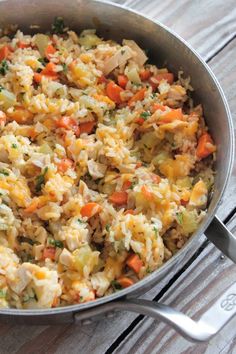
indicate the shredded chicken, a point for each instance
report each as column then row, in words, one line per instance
column 140, row 57
column 96, row 169
column 118, row 59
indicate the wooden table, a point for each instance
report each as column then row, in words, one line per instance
column 210, row 27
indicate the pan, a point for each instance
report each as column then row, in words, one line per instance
column 165, row 48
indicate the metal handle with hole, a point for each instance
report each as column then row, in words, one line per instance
column 208, row 324
column 201, row 330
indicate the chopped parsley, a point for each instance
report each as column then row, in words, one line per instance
column 2, row 293
column 155, row 230
column 65, row 68
column 56, row 243
column 80, row 221
column 148, row 270
column 122, row 51
column 4, row 67
column 5, row 173
column 107, row 227
column 28, row 240
column 40, row 180
column 145, row 115
column 116, row 286
column 58, row 25
column 1, row 88
column 153, row 95
column 179, row 217
column 43, row 61
column 14, row 146
column 132, row 185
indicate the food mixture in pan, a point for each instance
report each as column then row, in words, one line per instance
column 105, row 166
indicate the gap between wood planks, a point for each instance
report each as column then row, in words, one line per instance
column 139, row 318
column 221, row 48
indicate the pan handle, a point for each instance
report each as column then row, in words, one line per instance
column 207, row 325
column 201, row 330
column 222, row 238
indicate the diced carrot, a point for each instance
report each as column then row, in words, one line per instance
column 38, row 77
column 122, row 81
column 87, row 127
column 22, row 45
column 113, row 91
column 119, row 198
column 205, row 146
column 69, row 124
column 4, row 52
column 90, row 209
column 64, row 165
column 102, row 80
column 129, row 211
column 145, row 74
column 32, row 133
column 139, row 120
column 3, row 118
column 126, row 185
column 33, row 206
column 21, row 115
column 50, row 71
column 174, row 114
column 49, row 51
column 157, row 106
column 155, row 80
column 155, row 178
column 169, row 77
column 49, row 252
column 64, row 122
column 148, row 195
column 138, row 96
column 49, row 68
column 125, row 282
column 134, row 262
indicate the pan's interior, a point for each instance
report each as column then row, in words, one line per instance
column 164, row 48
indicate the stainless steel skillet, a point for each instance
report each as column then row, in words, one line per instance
column 117, row 22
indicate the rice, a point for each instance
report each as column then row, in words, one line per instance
column 106, row 167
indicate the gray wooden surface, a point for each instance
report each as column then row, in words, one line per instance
column 210, row 27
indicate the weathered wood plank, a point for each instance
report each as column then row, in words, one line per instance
column 207, row 25
column 197, row 22
column 197, row 288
